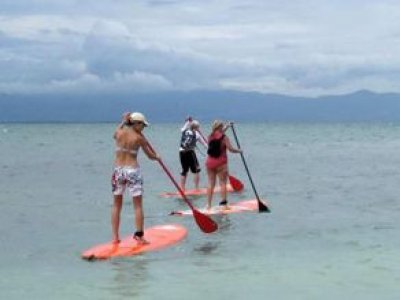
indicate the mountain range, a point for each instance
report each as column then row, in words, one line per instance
column 361, row 106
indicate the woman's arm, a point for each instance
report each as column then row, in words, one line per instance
column 186, row 125
column 125, row 120
column 200, row 139
column 117, row 132
column 230, row 147
column 148, row 150
column 226, row 126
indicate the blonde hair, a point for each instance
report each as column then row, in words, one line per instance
column 217, row 124
column 195, row 124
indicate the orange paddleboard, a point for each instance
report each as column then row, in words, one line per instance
column 238, row 207
column 159, row 237
column 196, row 192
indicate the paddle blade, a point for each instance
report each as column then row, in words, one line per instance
column 205, row 223
column 236, row 184
column 262, row 207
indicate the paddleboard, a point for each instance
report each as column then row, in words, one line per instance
column 196, row 192
column 159, row 237
column 237, row 207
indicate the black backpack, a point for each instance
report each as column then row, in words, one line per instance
column 214, row 147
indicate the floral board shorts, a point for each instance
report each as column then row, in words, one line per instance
column 127, row 178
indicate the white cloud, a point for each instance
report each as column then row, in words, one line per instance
column 299, row 48
column 117, row 83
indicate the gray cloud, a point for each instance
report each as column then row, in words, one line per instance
column 302, row 48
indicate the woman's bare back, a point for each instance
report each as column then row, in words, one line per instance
column 127, row 143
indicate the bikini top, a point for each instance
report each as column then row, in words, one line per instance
column 126, row 150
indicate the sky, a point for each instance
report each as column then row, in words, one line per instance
column 297, row 47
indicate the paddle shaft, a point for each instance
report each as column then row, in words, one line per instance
column 245, row 164
column 205, row 223
column 176, row 185
column 172, row 179
column 261, row 206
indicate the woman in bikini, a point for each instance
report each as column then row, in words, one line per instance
column 217, row 161
column 127, row 175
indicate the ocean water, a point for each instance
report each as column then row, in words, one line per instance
column 334, row 230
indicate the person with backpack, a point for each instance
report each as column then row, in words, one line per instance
column 217, row 161
column 187, row 154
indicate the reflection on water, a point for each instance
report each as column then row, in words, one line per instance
column 130, row 278
column 224, row 223
column 224, row 226
column 206, row 248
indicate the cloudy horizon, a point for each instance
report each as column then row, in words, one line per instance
column 306, row 48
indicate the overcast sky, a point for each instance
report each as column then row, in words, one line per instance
column 296, row 47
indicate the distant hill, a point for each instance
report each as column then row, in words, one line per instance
column 205, row 105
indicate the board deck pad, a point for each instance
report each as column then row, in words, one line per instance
column 234, row 207
column 196, row 192
column 159, row 237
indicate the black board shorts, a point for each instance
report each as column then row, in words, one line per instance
column 189, row 160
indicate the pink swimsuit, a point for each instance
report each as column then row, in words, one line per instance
column 213, row 162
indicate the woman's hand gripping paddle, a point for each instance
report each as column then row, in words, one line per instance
column 205, row 223
column 261, row 206
column 236, row 184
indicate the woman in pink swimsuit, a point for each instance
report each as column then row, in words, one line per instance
column 217, row 161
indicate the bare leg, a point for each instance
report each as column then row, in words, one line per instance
column 183, row 182
column 139, row 218
column 196, row 179
column 115, row 217
column 223, row 179
column 211, row 185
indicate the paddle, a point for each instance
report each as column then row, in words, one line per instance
column 261, row 206
column 236, row 184
column 205, row 223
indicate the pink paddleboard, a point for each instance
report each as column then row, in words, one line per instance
column 159, row 237
column 194, row 192
column 234, row 207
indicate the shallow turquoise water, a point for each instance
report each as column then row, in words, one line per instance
column 333, row 232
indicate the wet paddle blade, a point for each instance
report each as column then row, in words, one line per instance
column 262, row 207
column 205, row 223
column 236, row 184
